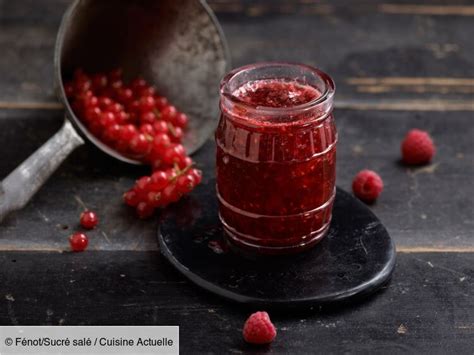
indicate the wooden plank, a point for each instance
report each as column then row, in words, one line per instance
column 419, row 206
column 433, row 10
column 406, row 105
column 407, row 81
column 12, row 105
column 426, row 308
column 429, row 249
column 309, row 7
column 428, row 207
column 380, row 45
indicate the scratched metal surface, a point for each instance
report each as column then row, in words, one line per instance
column 397, row 64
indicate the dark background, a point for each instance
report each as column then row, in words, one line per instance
column 397, row 65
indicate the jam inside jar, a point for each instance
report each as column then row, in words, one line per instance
column 276, row 157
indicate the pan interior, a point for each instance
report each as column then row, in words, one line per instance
column 175, row 45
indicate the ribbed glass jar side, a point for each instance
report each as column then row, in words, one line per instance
column 276, row 166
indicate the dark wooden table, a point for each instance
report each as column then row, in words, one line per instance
column 397, row 65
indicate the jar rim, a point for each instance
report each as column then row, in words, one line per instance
column 326, row 95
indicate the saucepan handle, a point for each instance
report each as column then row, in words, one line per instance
column 23, row 182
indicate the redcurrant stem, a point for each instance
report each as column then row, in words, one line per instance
column 180, row 172
column 172, row 130
column 157, row 113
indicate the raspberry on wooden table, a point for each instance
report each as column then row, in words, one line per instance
column 367, row 185
column 258, row 329
column 417, row 148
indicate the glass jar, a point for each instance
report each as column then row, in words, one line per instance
column 276, row 157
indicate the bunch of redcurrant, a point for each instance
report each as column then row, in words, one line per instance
column 161, row 188
column 136, row 121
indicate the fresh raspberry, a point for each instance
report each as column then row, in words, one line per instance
column 258, row 329
column 367, row 185
column 417, row 147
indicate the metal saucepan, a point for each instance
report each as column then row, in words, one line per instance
column 177, row 45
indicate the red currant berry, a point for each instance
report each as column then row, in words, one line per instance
column 92, row 114
column 131, row 198
column 122, row 117
column 104, row 102
column 160, row 127
column 78, row 242
column 134, row 106
column 142, row 184
column 168, row 113
column 82, row 85
column 197, row 176
column 180, row 120
column 133, row 117
column 187, row 161
column 147, row 117
column 170, row 194
column 127, row 133
column 147, row 129
column 107, row 119
column 115, row 107
column 89, row 219
column 91, row 101
column 153, row 198
column 140, row 144
column 185, row 183
column 147, row 103
column 161, row 142
column 146, row 91
column 156, row 164
column 85, row 95
column 176, row 135
column 144, row 210
column 112, row 133
column 125, row 95
column 174, row 154
column 108, row 92
column 138, row 83
column 99, row 82
column 161, row 102
column 116, row 85
column 159, row 180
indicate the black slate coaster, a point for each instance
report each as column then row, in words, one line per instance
column 356, row 258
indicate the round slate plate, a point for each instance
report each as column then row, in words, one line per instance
column 356, row 258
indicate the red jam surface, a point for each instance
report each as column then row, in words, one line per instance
column 275, row 93
column 276, row 155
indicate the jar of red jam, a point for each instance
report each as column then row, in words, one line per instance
column 276, row 157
